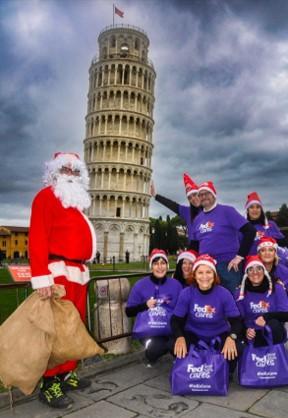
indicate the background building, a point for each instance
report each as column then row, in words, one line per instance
column 13, row 241
column 118, row 144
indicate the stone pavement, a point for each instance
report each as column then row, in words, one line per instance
column 124, row 388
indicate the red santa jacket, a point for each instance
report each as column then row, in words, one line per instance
column 60, row 231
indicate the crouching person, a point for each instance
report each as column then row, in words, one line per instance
column 262, row 302
column 61, row 239
column 206, row 310
column 152, row 300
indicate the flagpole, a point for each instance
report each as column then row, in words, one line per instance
column 113, row 14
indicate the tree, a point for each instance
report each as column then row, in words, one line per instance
column 282, row 217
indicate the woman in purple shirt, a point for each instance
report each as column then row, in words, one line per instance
column 155, row 290
column 256, row 217
column 184, row 267
column 187, row 213
column 206, row 310
column 267, row 252
column 261, row 302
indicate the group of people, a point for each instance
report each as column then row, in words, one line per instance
column 229, row 284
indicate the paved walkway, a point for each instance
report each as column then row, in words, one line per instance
column 127, row 389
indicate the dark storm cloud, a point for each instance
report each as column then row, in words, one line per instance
column 221, row 92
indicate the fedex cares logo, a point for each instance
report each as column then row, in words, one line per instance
column 267, row 360
column 259, row 307
column 207, row 227
column 206, row 311
column 259, row 235
column 158, row 311
column 201, row 372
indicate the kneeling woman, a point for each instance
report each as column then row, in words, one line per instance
column 261, row 303
column 150, row 292
column 206, row 310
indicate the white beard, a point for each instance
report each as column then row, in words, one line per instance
column 72, row 191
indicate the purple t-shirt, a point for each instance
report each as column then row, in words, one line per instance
column 218, row 232
column 185, row 213
column 256, row 304
column 273, row 231
column 165, row 293
column 206, row 313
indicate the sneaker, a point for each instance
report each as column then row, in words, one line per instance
column 51, row 394
column 71, row 381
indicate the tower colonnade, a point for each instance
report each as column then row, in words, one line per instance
column 118, row 141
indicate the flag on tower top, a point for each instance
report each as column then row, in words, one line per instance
column 118, row 12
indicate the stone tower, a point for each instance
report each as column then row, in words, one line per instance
column 118, row 144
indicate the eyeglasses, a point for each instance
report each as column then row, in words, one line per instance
column 256, row 269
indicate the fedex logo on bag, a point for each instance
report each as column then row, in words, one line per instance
column 267, row 360
column 201, row 372
column 260, row 307
column 206, row 311
column 207, row 227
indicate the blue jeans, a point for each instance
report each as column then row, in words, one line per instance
column 229, row 279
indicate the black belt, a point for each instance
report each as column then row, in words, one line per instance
column 61, row 257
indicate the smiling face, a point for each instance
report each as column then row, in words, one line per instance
column 187, row 268
column 255, row 275
column 267, row 255
column 254, row 212
column 204, row 277
column 207, row 199
column 194, row 200
column 159, row 268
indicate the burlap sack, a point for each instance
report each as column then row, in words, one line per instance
column 72, row 340
column 25, row 344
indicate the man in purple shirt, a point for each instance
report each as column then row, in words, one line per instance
column 215, row 231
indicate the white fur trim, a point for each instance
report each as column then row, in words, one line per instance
column 191, row 192
column 187, row 256
column 37, row 282
column 72, row 273
column 206, row 263
column 253, row 202
column 267, row 245
column 254, row 263
column 160, row 255
column 93, row 236
column 207, row 189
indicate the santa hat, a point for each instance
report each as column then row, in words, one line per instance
column 251, row 261
column 207, row 260
column 157, row 253
column 188, row 255
column 267, row 242
column 253, row 198
column 190, row 186
column 65, row 159
column 208, row 186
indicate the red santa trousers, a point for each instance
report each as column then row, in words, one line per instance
column 76, row 293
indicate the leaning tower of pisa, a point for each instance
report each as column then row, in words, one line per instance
column 118, row 144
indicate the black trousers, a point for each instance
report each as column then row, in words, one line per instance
column 278, row 333
column 155, row 347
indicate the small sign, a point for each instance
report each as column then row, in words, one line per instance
column 20, row 273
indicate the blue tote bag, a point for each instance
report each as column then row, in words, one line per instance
column 204, row 371
column 263, row 366
column 154, row 322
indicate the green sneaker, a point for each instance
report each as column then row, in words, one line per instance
column 51, row 394
column 71, row 381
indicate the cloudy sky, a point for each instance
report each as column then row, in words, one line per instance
column 221, row 110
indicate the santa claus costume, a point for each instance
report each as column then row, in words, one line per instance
column 61, row 240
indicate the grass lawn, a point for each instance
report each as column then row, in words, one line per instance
column 11, row 298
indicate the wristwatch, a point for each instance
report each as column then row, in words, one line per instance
column 233, row 336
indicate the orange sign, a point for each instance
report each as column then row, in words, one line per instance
column 20, row 273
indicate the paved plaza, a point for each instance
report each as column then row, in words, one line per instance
column 124, row 388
